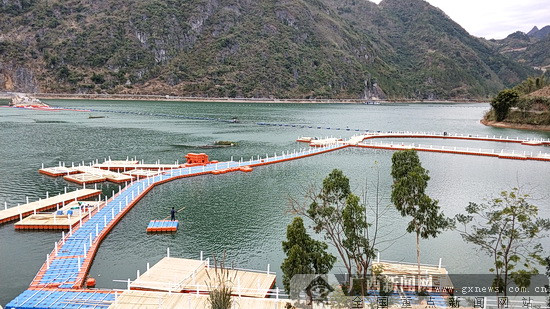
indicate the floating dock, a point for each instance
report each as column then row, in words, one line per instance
column 67, row 266
column 121, row 165
column 92, row 175
column 147, row 300
column 65, row 218
column 163, row 226
column 194, row 276
column 57, row 298
column 433, row 278
column 21, row 211
column 113, row 171
column 141, row 173
column 58, row 171
column 458, row 150
column 371, row 135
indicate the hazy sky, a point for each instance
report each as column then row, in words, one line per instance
column 495, row 19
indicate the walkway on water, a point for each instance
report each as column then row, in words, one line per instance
column 443, row 135
column 20, row 211
column 359, row 141
column 67, row 266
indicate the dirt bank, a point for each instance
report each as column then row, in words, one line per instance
column 515, row 125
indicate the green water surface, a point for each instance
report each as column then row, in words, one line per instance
column 243, row 214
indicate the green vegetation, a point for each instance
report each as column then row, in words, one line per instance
column 502, row 103
column 526, row 103
column 525, row 48
column 225, row 143
column 509, row 230
column 338, row 214
column 409, row 197
column 531, row 84
column 298, row 49
column 304, row 255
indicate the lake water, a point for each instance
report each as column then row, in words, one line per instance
column 244, row 214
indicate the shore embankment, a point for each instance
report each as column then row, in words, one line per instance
column 510, row 125
column 145, row 97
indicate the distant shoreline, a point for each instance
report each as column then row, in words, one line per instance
column 519, row 126
column 127, row 97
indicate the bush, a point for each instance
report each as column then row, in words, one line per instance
column 502, row 103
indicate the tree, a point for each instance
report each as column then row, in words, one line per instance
column 337, row 213
column 409, row 197
column 304, row 255
column 502, row 103
column 98, row 78
column 531, row 84
column 508, row 229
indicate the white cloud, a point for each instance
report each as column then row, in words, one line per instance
column 495, row 19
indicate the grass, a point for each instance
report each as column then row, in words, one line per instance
column 220, row 285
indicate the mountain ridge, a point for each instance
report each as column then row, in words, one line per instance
column 228, row 48
column 528, row 48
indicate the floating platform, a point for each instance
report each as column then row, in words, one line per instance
column 63, row 298
column 85, row 178
column 147, row 300
column 304, row 139
column 141, row 173
column 113, row 171
column 324, row 142
column 15, row 213
column 245, row 169
column 62, row 219
column 195, row 276
column 161, row 226
column 132, row 165
column 94, row 175
column 432, row 276
column 58, row 171
column 457, row 150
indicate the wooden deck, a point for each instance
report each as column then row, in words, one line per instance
column 394, row 268
column 53, row 221
column 58, row 171
column 165, row 300
column 184, row 275
column 431, row 275
column 140, row 173
column 92, row 175
column 131, row 165
column 14, row 213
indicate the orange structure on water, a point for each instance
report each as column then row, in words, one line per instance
column 197, row 158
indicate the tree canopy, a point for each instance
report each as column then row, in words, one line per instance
column 339, row 215
column 508, row 229
column 409, row 197
column 304, row 255
column 502, row 103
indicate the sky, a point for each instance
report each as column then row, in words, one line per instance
column 495, row 19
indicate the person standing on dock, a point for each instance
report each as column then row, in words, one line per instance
column 173, row 214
